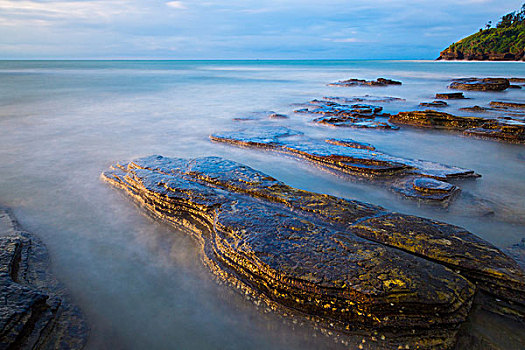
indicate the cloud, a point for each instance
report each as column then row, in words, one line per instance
column 239, row 28
column 176, row 4
column 347, row 40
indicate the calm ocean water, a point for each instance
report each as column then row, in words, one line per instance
column 141, row 283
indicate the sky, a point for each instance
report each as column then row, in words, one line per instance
column 240, row 29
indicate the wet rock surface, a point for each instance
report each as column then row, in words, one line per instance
column 501, row 129
column 425, row 188
column 450, row 96
column 344, row 264
column 507, row 104
column 35, row 312
column 351, row 143
column 348, row 115
column 340, row 154
column 434, row 104
column 359, row 160
column 364, row 98
column 480, row 84
column 363, row 82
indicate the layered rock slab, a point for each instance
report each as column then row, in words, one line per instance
column 346, row 262
column 480, row 84
column 501, row 129
column 340, row 154
column 34, row 311
column 260, row 233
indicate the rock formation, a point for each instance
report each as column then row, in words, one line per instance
column 507, row 104
column 364, row 98
column 348, row 156
column 450, row 96
column 501, row 129
column 35, row 312
column 344, row 264
column 354, row 115
column 480, row 84
column 362, row 82
column 434, row 104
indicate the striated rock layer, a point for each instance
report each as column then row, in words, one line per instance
column 345, row 264
column 501, row 129
column 34, row 311
column 344, row 155
column 480, row 84
column 402, row 175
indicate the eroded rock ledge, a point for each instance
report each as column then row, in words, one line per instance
column 504, row 129
column 480, row 84
column 34, row 311
column 348, row 156
column 345, row 264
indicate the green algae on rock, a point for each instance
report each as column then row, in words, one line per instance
column 345, row 264
column 35, row 312
column 255, row 234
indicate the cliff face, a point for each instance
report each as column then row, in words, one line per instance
column 506, row 42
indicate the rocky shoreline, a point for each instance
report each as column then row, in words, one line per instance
column 36, row 312
column 455, row 55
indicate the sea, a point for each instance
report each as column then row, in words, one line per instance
column 141, row 283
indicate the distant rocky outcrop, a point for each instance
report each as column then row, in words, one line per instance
column 505, row 42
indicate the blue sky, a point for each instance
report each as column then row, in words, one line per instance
column 239, row 29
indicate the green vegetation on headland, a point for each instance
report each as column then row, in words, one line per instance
column 505, row 42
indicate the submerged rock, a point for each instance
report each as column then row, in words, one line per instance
column 480, row 84
column 351, row 143
column 337, row 155
column 506, row 104
column 255, row 116
column 476, row 109
column 362, row 82
column 35, row 312
column 344, row 264
column 500, row 129
column 357, row 159
column 450, row 96
column 434, row 104
column 365, row 98
column 426, row 188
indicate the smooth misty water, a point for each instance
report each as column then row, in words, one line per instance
column 141, row 283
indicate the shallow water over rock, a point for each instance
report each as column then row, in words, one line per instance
column 140, row 282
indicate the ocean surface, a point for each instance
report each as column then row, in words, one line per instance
column 141, row 283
